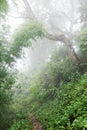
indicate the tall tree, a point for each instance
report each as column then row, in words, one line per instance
column 61, row 37
column 6, row 79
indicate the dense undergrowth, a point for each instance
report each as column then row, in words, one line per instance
column 21, row 122
column 68, row 110
column 56, row 96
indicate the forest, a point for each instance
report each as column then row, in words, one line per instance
column 43, row 64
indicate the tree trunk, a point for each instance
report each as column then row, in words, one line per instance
column 60, row 38
column 67, row 42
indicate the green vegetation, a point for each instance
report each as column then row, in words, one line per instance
column 3, row 6
column 6, row 81
column 56, row 93
column 24, row 37
column 68, row 110
column 21, row 123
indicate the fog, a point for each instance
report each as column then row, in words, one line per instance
column 43, row 64
column 57, row 16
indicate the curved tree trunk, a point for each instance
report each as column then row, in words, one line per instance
column 67, row 42
column 60, row 38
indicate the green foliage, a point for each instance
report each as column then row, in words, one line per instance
column 25, row 35
column 22, row 124
column 3, row 5
column 68, row 110
column 83, row 43
column 82, row 36
column 21, row 121
column 57, row 95
column 82, row 40
column 6, row 81
column 45, row 81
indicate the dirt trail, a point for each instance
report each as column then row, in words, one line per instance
column 36, row 124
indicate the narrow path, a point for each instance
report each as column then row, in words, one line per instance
column 36, row 124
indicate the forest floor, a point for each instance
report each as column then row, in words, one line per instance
column 35, row 123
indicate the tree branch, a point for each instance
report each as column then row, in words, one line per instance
column 67, row 42
column 60, row 38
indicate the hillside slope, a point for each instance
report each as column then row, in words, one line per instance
column 67, row 110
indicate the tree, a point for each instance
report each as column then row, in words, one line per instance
column 61, row 37
column 6, row 78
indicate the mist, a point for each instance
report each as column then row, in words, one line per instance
column 43, row 64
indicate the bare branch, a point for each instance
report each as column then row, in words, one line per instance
column 54, row 37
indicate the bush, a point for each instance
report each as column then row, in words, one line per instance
column 21, row 122
column 68, row 110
